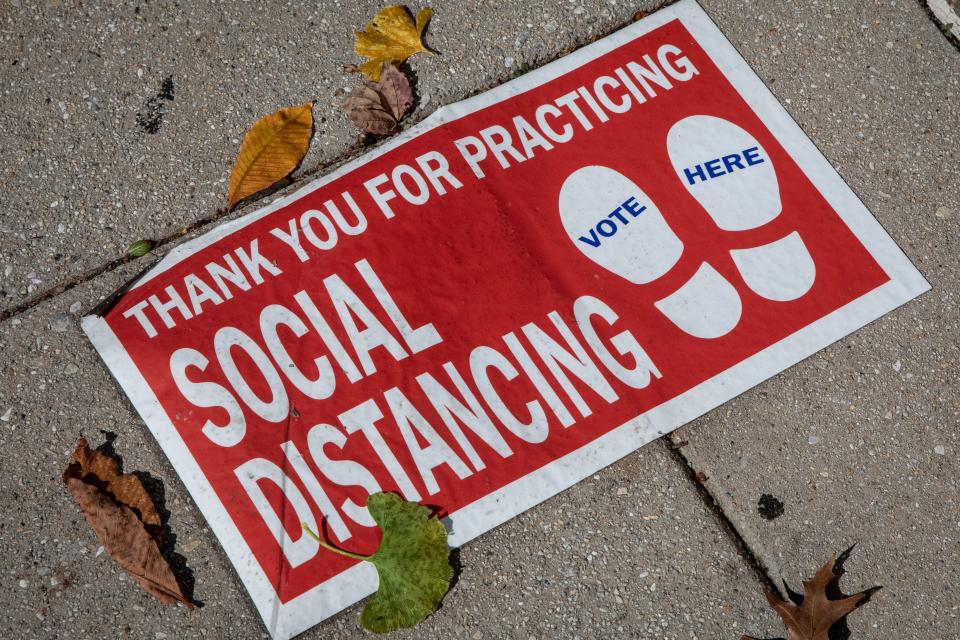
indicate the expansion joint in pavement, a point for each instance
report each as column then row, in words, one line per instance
column 726, row 524
column 943, row 13
column 106, row 267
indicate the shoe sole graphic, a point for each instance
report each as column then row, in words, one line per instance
column 732, row 177
column 615, row 224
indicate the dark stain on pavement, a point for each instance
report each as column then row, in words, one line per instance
column 166, row 89
column 150, row 118
column 769, row 507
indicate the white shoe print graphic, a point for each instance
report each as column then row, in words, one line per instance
column 726, row 170
column 732, row 177
column 613, row 222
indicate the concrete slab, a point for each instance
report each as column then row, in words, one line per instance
column 122, row 121
column 860, row 445
column 631, row 552
column 861, row 442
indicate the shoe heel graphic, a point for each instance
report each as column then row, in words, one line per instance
column 730, row 174
column 780, row 271
column 613, row 222
column 706, row 306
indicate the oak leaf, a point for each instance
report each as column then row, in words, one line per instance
column 413, row 563
column 821, row 607
column 379, row 107
column 273, row 147
column 392, row 36
column 125, row 519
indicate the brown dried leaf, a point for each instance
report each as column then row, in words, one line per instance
column 378, row 107
column 822, row 604
column 121, row 531
column 395, row 89
column 271, row 150
column 125, row 488
column 366, row 110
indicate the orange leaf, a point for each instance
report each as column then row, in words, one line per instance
column 392, row 36
column 273, row 147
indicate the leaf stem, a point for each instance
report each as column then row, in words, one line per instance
column 330, row 547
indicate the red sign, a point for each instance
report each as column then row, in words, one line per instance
column 506, row 298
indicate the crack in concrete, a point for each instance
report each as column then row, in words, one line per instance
column 942, row 11
column 759, row 569
column 197, row 225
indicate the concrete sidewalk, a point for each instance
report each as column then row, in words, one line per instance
column 859, row 443
column 123, row 121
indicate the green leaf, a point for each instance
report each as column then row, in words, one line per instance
column 140, row 248
column 413, row 563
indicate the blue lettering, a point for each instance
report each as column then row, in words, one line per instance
column 731, row 161
column 633, row 207
column 752, row 156
column 593, row 240
column 601, row 226
column 607, row 228
column 713, row 168
column 692, row 175
column 619, row 216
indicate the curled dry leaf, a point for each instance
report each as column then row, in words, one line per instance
column 395, row 89
column 366, row 109
column 378, row 107
column 125, row 488
column 271, row 150
column 392, row 36
column 125, row 519
column 810, row 616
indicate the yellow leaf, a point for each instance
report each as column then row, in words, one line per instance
column 392, row 36
column 271, row 150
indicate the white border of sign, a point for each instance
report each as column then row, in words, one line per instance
column 287, row 620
